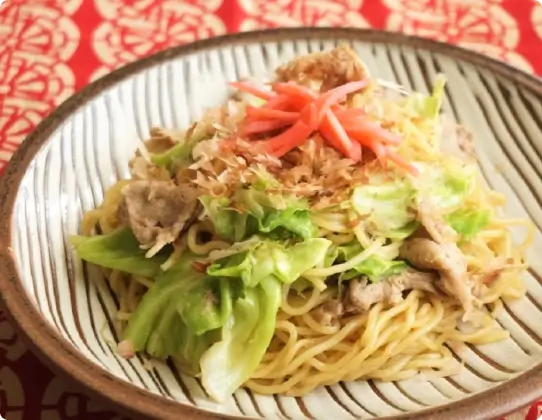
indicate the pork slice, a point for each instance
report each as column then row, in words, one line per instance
column 448, row 260
column 483, row 281
column 426, row 254
column 361, row 294
column 433, row 221
column 332, row 68
column 156, row 211
column 329, row 312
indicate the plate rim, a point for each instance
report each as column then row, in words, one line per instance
column 63, row 358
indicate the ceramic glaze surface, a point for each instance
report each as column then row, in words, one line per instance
column 90, row 148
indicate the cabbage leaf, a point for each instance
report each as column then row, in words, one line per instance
column 469, row 222
column 252, row 211
column 427, row 106
column 271, row 258
column 151, row 325
column 447, row 184
column 245, row 338
column 387, row 207
column 118, row 250
column 375, row 268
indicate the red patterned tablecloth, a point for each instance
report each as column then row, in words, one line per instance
column 51, row 48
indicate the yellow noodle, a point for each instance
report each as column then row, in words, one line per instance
column 332, row 225
column 340, row 239
column 388, row 342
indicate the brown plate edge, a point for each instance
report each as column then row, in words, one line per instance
column 64, row 359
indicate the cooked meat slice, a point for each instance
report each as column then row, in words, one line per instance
column 156, row 211
column 448, row 260
column 457, row 142
column 483, row 281
column 491, row 275
column 333, row 68
column 328, row 313
column 432, row 220
column 361, row 296
column 427, row 254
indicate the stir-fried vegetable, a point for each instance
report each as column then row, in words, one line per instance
column 204, row 320
column 469, row 222
column 248, row 333
column 271, row 258
column 119, row 251
column 261, row 214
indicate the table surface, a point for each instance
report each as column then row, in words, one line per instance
column 52, row 48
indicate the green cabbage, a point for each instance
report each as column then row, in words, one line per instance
column 208, row 305
column 446, row 184
column 283, row 224
column 256, row 211
column 427, row 106
column 271, row 258
column 275, row 214
column 182, row 314
column 188, row 348
column 152, row 326
column 119, row 250
column 469, row 222
column 179, row 155
column 387, row 207
column 245, row 339
column 220, row 323
column 375, row 268
column 228, row 223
